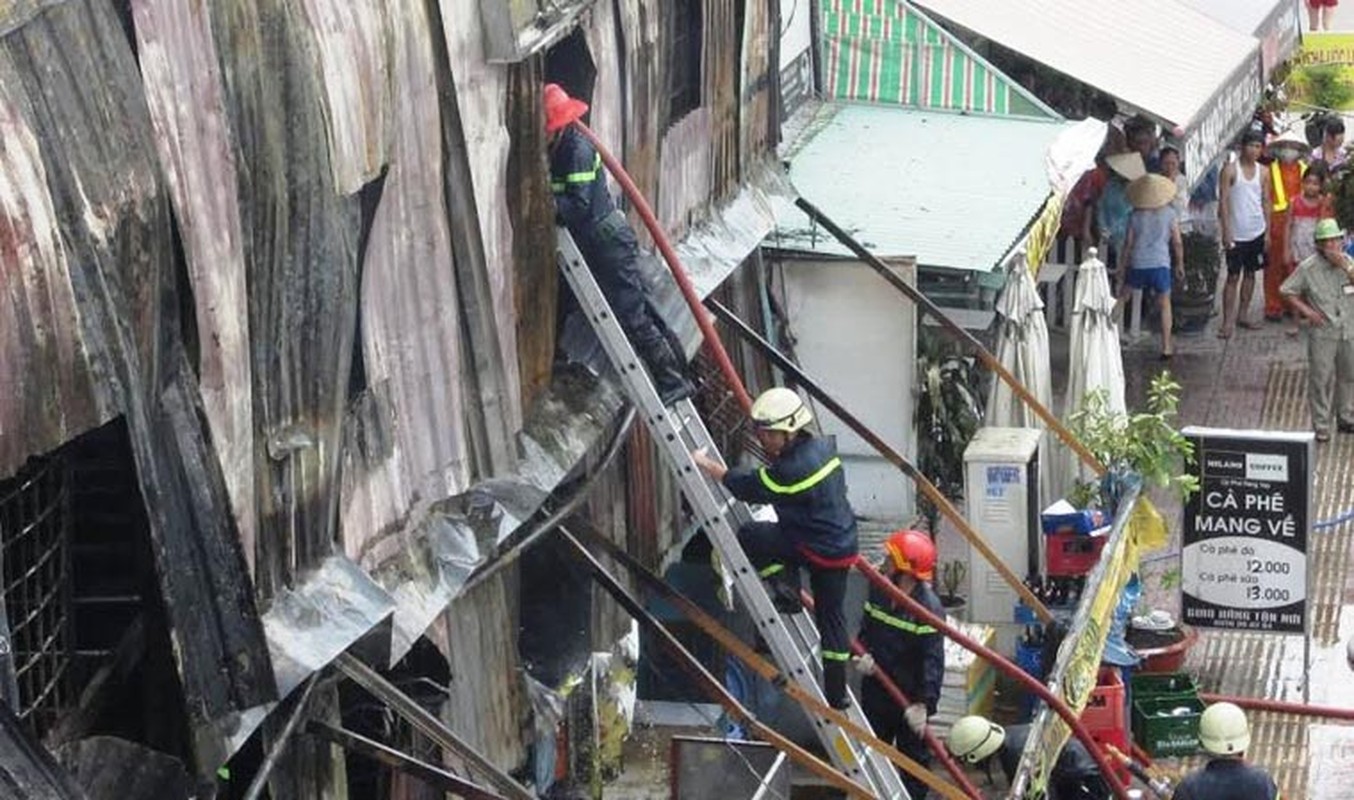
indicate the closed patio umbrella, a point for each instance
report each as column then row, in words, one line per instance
column 1022, row 348
column 1094, row 356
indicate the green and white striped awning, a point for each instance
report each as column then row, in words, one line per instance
column 885, row 51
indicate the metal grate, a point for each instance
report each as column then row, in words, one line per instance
column 35, row 522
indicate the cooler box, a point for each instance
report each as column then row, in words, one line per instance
column 969, row 681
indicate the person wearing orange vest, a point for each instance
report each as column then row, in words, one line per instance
column 1289, row 153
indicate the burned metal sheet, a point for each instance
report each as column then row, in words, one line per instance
column 184, row 94
column 68, row 73
column 308, row 626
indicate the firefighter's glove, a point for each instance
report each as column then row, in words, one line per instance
column 864, row 664
column 915, row 715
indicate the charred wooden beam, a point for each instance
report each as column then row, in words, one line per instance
column 434, row 776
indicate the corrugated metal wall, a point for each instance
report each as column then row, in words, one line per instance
column 362, row 207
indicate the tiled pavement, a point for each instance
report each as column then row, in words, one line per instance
column 1257, row 380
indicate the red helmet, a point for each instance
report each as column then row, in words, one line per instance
column 561, row 110
column 912, row 552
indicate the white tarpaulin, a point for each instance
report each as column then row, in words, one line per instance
column 1094, row 358
column 1190, row 71
column 1023, row 350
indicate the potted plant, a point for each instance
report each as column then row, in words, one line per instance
column 1143, row 447
column 1192, row 301
column 952, row 575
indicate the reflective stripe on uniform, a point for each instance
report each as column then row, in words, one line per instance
column 892, row 621
column 835, row 655
column 578, row 177
column 771, row 569
column 802, row 486
column 1276, row 181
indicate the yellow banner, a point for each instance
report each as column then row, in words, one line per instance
column 1082, row 649
column 1043, row 233
column 1323, row 71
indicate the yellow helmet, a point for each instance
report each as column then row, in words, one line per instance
column 780, row 409
column 974, row 738
column 1224, row 730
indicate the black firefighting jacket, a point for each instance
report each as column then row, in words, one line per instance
column 909, row 651
column 807, row 487
column 578, row 182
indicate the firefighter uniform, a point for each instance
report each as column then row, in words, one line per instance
column 912, row 654
column 815, row 529
column 608, row 243
column 1227, row 779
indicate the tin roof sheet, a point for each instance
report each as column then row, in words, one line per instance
column 954, row 190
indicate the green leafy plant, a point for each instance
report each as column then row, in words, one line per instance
column 952, row 575
column 1146, row 443
column 1084, row 494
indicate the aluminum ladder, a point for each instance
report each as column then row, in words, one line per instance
column 678, row 431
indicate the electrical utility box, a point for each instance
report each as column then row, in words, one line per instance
column 1001, row 488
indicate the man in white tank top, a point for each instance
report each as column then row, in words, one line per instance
column 1243, row 196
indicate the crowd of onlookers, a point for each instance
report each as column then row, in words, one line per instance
column 1268, row 206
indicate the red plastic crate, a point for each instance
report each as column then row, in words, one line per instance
column 1105, row 710
column 1072, row 554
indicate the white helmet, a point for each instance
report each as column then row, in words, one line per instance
column 1223, row 730
column 974, row 738
column 780, row 409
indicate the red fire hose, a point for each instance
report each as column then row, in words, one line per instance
column 707, row 328
column 1010, row 670
column 1282, row 707
column 721, row 356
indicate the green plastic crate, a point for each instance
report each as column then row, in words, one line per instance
column 1164, row 684
column 1167, row 726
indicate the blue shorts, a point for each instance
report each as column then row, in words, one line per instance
column 1158, row 279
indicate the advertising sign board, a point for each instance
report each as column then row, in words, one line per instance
column 1243, row 562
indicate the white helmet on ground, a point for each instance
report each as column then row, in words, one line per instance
column 780, row 409
column 1224, row 730
column 974, row 738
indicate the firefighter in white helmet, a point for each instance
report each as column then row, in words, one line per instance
column 1075, row 776
column 815, row 528
column 1225, row 733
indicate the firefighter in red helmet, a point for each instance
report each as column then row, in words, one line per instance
column 906, row 649
column 604, row 236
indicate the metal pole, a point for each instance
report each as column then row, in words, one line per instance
column 702, row 676
column 764, row 668
column 1054, row 702
column 923, row 483
column 434, row 776
column 428, row 724
column 984, row 355
column 275, row 752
